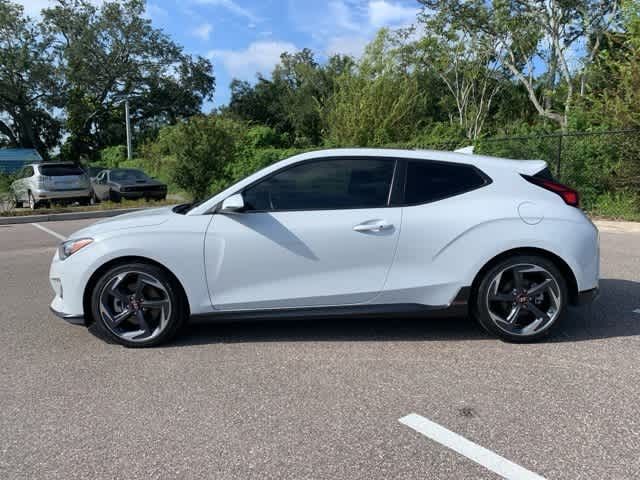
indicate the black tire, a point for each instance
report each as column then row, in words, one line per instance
column 177, row 307
column 84, row 201
column 115, row 196
column 554, row 299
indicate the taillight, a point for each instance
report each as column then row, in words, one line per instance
column 569, row 195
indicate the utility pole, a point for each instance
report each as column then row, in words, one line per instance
column 128, row 123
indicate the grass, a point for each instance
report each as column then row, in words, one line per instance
column 622, row 205
column 90, row 208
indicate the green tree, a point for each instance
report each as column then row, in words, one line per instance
column 466, row 65
column 113, row 52
column 293, row 99
column 374, row 103
column 535, row 40
column 614, row 99
column 29, row 83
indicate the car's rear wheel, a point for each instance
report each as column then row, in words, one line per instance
column 137, row 305
column 521, row 298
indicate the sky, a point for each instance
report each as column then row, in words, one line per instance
column 243, row 37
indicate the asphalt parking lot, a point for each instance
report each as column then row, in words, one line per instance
column 316, row 399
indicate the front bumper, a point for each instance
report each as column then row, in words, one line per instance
column 74, row 319
column 68, row 288
column 136, row 195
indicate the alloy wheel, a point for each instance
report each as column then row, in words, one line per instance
column 524, row 299
column 135, row 306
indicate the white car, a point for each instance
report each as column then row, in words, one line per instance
column 341, row 232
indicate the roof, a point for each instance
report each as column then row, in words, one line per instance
column 13, row 159
column 482, row 161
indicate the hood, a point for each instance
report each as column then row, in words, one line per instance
column 141, row 218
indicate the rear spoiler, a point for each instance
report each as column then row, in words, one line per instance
column 530, row 167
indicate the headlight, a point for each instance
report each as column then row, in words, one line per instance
column 70, row 247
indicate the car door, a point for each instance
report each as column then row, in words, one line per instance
column 100, row 184
column 318, row 233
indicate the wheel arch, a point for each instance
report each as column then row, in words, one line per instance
column 95, row 276
column 565, row 269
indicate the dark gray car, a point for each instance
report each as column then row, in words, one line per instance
column 118, row 183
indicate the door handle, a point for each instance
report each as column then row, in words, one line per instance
column 373, row 226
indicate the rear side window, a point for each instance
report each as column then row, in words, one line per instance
column 430, row 181
column 324, row 185
column 59, row 170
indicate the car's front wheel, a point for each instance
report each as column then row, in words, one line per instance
column 137, row 305
column 521, row 298
column 115, row 196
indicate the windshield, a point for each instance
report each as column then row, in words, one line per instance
column 59, row 170
column 127, row 174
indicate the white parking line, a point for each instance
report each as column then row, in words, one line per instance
column 480, row 455
column 49, row 231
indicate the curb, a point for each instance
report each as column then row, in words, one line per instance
column 617, row 226
column 53, row 217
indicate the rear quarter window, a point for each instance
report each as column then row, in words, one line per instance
column 59, row 170
column 428, row 181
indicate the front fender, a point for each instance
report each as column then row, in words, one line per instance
column 177, row 247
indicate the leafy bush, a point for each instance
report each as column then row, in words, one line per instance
column 250, row 161
column 5, row 181
column 623, row 205
column 262, row 136
column 200, row 149
column 111, row 157
column 372, row 110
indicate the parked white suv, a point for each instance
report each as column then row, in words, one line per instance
column 341, row 232
column 39, row 183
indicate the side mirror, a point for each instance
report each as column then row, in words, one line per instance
column 232, row 204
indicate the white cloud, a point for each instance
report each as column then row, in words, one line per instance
column 347, row 45
column 260, row 56
column 155, row 13
column 340, row 13
column 383, row 13
column 232, row 6
column 346, row 26
column 203, row 32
